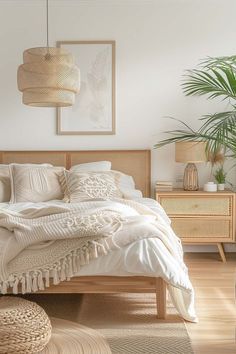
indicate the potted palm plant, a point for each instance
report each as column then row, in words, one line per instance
column 214, row 78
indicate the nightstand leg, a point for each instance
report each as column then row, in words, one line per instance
column 221, row 251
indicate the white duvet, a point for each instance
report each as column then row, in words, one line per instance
column 146, row 257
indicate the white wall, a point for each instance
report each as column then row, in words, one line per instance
column 156, row 41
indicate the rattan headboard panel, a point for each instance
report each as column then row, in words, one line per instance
column 56, row 158
column 133, row 162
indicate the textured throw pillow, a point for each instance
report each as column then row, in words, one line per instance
column 5, row 185
column 35, row 183
column 92, row 166
column 79, row 186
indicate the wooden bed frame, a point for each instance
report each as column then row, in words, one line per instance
column 136, row 163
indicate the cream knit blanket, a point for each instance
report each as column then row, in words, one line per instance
column 94, row 228
column 99, row 225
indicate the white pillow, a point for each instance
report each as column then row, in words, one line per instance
column 127, row 186
column 35, row 183
column 92, row 166
column 131, row 193
column 5, row 185
column 79, row 186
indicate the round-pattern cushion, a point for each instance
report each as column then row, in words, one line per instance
column 24, row 326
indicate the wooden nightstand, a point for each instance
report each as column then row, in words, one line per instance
column 201, row 217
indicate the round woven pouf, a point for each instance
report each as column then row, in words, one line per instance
column 24, row 326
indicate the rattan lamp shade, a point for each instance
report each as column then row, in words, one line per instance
column 190, row 151
column 48, row 77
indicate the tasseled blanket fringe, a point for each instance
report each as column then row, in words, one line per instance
column 64, row 269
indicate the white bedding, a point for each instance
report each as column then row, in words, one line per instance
column 147, row 257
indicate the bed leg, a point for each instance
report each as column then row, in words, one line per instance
column 161, row 298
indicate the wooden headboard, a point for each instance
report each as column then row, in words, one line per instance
column 136, row 163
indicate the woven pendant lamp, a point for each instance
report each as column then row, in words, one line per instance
column 48, row 77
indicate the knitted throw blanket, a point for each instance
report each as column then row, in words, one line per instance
column 100, row 226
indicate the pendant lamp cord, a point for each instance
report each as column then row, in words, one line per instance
column 47, row 25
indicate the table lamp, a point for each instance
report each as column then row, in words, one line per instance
column 190, row 152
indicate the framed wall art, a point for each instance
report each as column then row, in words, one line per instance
column 94, row 108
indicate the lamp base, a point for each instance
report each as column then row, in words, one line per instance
column 190, row 178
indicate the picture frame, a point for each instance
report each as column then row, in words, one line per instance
column 94, row 110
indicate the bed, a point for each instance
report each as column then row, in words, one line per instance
column 135, row 163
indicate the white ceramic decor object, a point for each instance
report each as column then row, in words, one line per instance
column 210, row 187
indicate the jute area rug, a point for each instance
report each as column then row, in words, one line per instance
column 127, row 321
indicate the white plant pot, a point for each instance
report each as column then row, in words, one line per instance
column 221, row 186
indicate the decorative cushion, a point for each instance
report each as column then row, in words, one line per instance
column 35, row 183
column 5, row 185
column 79, row 186
column 92, row 166
column 24, row 326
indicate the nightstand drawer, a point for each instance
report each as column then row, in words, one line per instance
column 206, row 206
column 207, row 230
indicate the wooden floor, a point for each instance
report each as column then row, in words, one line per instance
column 214, row 283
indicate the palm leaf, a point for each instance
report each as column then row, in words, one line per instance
column 213, row 84
column 215, row 135
column 223, row 127
column 215, row 77
column 226, row 61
